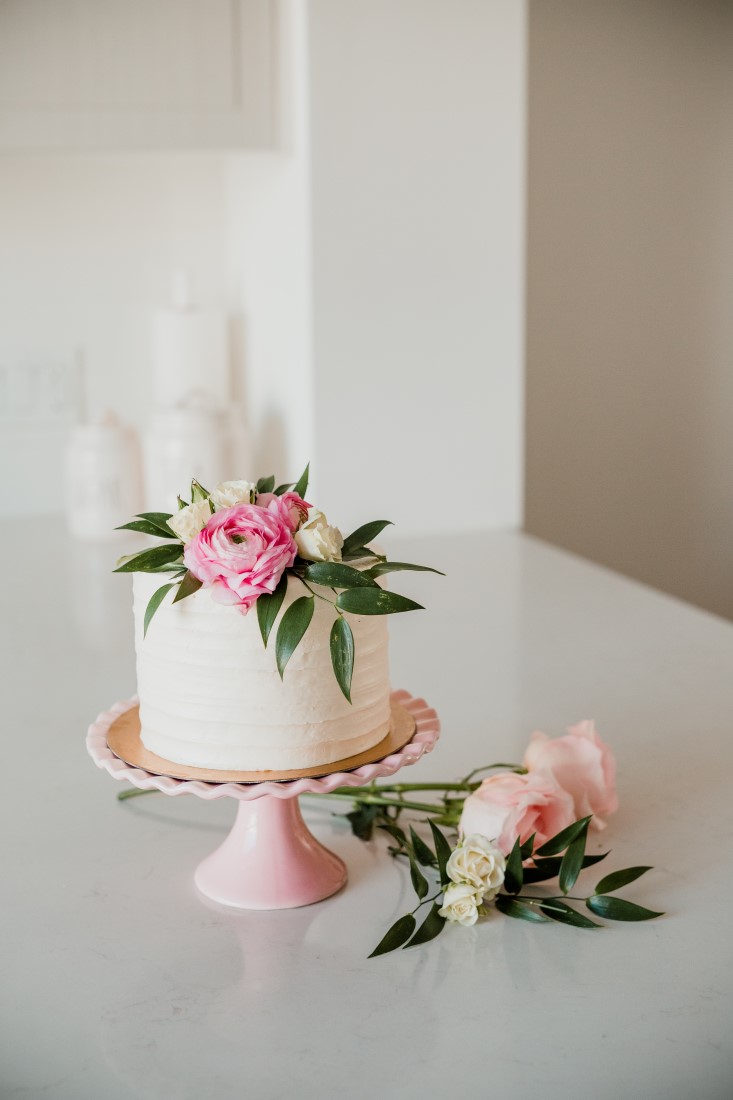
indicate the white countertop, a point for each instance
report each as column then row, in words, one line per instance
column 118, row 980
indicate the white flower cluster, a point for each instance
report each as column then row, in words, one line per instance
column 476, row 869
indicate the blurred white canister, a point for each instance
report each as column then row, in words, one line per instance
column 183, row 443
column 190, row 351
column 102, row 478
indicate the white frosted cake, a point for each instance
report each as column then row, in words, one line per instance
column 211, row 696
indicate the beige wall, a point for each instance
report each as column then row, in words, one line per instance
column 630, row 288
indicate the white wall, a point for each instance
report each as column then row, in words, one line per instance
column 417, row 138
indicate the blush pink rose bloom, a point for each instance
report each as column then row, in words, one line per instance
column 508, row 806
column 241, row 553
column 290, row 506
column 581, row 763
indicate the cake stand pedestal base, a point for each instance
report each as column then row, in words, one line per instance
column 270, row 860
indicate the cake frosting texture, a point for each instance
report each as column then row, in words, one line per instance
column 211, row 695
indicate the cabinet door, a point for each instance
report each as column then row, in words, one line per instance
column 127, row 74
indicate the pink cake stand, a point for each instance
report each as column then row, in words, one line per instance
column 270, row 859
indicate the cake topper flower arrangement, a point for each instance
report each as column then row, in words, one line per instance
column 247, row 541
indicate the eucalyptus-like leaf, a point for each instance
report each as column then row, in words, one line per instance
column 422, row 851
column 360, row 553
column 572, row 861
column 619, row 909
column 293, row 626
column 159, row 520
column 332, row 574
column 283, row 488
column 565, row 914
column 514, row 873
column 442, row 851
column 301, row 485
column 528, row 847
column 148, row 560
column 395, row 832
column 558, row 843
column 431, row 927
column 188, row 586
column 362, row 821
column 145, row 527
column 266, row 484
column 399, row 566
column 268, row 607
column 375, row 601
column 154, row 603
column 519, row 908
column 617, row 879
column 342, row 654
column 362, row 535
column 545, row 869
column 398, row 934
column 419, row 882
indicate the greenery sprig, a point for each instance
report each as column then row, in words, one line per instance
column 352, row 590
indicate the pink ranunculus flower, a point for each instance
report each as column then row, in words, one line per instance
column 290, row 506
column 241, row 553
column 509, row 805
column 581, row 763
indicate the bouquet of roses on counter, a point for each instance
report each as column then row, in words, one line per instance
column 246, row 541
column 523, row 825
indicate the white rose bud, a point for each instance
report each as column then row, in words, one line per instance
column 460, row 904
column 188, row 522
column 479, row 863
column 316, row 540
column 229, row 493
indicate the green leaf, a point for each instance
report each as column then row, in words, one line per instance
column 431, row 927
column 188, row 586
column 360, row 553
column 293, row 626
column 362, row 821
column 153, row 604
column 572, row 861
column 301, row 485
column 398, row 566
column 148, row 560
column 362, row 535
column 398, row 934
column 557, row 844
column 619, row 909
column 159, row 520
column 283, row 488
column 514, row 875
column 422, row 852
column 419, row 882
column 266, row 484
column 442, row 851
column 268, row 607
column 549, row 868
column 146, row 528
column 617, row 879
column 528, row 847
column 394, row 831
column 520, row 908
column 198, row 492
column 333, row 574
column 564, row 914
column 374, row 601
column 342, row 654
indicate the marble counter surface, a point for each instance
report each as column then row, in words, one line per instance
column 118, row 980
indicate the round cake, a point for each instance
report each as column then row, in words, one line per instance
column 211, row 695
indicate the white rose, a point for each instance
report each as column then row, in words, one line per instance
column 229, row 493
column 479, row 863
column 316, row 540
column 460, row 904
column 188, row 522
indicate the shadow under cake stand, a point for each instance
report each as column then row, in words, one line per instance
column 270, row 859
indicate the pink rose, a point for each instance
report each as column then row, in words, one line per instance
column 290, row 506
column 582, row 764
column 508, row 806
column 241, row 553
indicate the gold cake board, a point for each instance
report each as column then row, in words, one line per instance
column 123, row 739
